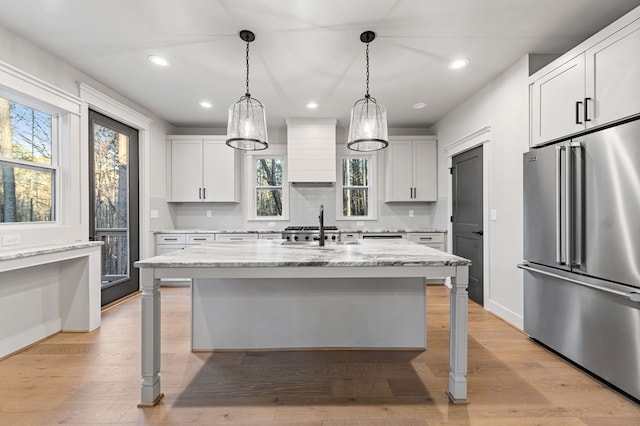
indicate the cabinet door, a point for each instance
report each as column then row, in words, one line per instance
column 557, row 102
column 236, row 237
column 186, row 170
column 220, row 181
column 425, row 171
column 613, row 76
column 399, row 171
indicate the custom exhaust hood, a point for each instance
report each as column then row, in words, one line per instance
column 311, row 151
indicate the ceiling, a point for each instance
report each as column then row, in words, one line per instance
column 305, row 50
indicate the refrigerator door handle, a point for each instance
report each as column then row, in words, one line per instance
column 577, row 217
column 632, row 295
column 568, row 205
column 558, row 206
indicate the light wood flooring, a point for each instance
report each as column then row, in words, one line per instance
column 93, row 378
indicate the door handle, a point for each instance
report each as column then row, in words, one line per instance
column 478, row 233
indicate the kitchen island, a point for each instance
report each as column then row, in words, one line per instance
column 268, row 295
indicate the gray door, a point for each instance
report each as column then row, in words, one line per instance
column 113, row 179
column 466, row 220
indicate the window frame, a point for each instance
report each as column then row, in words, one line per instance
column 372, row 179
column 57, row 124
column 251, row 187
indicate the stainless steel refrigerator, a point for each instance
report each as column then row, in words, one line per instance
column 582, row 251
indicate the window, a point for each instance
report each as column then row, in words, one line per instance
column 268, row 187
column 27, row 146
column 355, row 195
column 268, row 193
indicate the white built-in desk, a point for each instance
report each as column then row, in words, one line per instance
column 47, row 289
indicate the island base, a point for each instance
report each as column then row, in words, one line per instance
column 349, row 313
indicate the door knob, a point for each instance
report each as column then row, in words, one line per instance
column 478, row 232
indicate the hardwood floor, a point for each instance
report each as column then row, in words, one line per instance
column 93, row 378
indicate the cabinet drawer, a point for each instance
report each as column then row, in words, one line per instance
column 168, row 248
column 272, row 236
column 350, row 236
column 170, row 239
column 426, row 238
column 195, row 239
column 236, row 237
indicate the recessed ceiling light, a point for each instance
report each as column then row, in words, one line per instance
column 419, row 105
column 206, row 104
column 459, row 63
column 158, row 60
column 312, row 105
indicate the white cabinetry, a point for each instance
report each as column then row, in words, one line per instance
column 311, row 150
column 411, row 169
column 596, row 83
column 166, row 243
column 202, row 169
column 270, row 236
column 431, row 239
column 236, row 237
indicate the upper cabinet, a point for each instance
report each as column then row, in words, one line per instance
column 311, row 150
column 202, row 169
column 411, row 169
column 596, row 83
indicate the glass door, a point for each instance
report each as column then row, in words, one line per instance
column 114, row 215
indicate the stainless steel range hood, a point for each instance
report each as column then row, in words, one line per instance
column 311, row 151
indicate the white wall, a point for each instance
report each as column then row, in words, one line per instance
column 502, row 105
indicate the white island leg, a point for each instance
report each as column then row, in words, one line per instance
column 458, row 336
column 150, row 393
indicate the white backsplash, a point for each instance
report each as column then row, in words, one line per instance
column 304, row 204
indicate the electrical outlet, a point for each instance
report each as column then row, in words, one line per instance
column 154, row 214
column 410, row 213
column 11, row 240
column 494, row 215
column 208, row 213
column 359, row 223
column 272, row 224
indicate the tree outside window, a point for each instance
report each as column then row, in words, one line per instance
column 28, row 173
column 355, row 187
column 268, row 187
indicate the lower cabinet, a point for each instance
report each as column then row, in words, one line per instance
column 236, row 237
column 270, row 236
column 431, row 239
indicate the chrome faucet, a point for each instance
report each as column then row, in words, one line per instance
column 321, row 218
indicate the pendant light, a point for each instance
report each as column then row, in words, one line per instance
column 368, row 126
column 247, row 126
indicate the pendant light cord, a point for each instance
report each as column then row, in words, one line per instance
column 248, row 94
column 367, row 54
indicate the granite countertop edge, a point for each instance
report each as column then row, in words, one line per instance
column 48, row 249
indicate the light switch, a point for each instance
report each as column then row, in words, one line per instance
column 494, row 215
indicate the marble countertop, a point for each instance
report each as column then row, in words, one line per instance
column 271, row 253
column 41, row 250
column 276, row 231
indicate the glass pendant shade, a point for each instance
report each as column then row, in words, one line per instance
column 247, row 125
column 368, row 126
